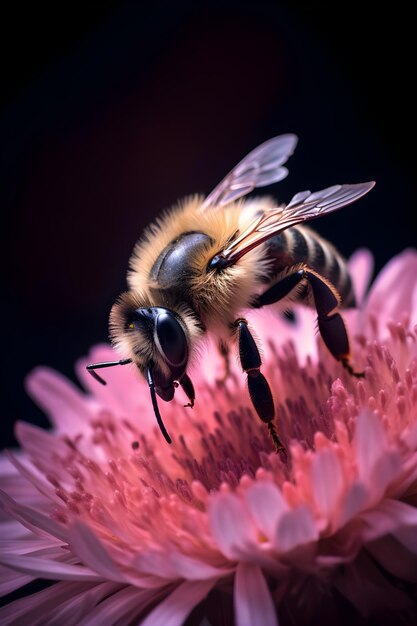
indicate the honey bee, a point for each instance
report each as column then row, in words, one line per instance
column 199, row 266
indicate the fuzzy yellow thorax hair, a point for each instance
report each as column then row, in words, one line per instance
column 217, row 296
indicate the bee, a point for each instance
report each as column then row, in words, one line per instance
column 201, row 265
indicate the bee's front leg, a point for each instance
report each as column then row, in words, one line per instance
column 259, row 389
column 188, row 387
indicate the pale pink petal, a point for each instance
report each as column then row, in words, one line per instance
column 92, row 553
column 19, row 488
column 384, row 472
column 36, row 440
column 43, row 466
column 7, row 470
column 327, row 480
column 361, row 266
column 173, row 564
column 12, row 529
column 49, row 569
column 371, row 443
column 266, row 504
column 392, row 293
column 63, row 403
column 155, row 563
column 356, row 500
column 37, row 608
column 252, row 599
column 34, row 520
column 295, row 528
column 36, row 478
column 178, row 605
column 386, row 518
column 73, row 610
column 124, row 393
column 195, row 569
column 26, row 546
column 11, row 580
column 230, row 524
column 407, row 536
column 119, row 608
column 413, row 308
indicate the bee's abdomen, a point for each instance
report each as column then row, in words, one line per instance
column 300, row 244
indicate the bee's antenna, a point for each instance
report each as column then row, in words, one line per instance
column 155, row 406
column 96, row 366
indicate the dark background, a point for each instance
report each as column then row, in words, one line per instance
column 111, row 111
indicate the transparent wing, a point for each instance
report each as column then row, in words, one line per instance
column 303, row 206
column 261, row 167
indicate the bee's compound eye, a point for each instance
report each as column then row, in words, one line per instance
column 171, row 339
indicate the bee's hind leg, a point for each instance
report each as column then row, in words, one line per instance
column 259, row 389
column 326, row 299
column 330, row 322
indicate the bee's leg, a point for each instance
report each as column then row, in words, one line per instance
column 225, row 353
column 188, row 387
column 331, row 325
column 259, row 389
column 326, row 299
column 281, row 289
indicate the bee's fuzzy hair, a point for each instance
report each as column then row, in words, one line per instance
column 217, row 295
column 127, row 343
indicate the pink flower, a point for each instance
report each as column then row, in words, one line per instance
column 217, row 528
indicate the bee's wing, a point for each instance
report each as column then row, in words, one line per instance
column 303, row 206
column 261, row 167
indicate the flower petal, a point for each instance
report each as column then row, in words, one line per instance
column 371, row 443
column 387, row 517
column 266, row 504
column 124, row 394
column 120, row 607
column 296, row 528
column 62, row 402
column 40, row 608
column 33, row 476
column 71, row 611
column 361, row 265
column 172, row 564
column 11, row 580
column 327, row 480
column 356, row 500
column 34, row 520
column 28, row 546
column 178, row 605
column 394, row 280
column 49, row 568
column 92, row 552
column 252, row 599
column 407, row 536
column 230, row 524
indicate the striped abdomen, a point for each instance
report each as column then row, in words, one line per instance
column 300, row 244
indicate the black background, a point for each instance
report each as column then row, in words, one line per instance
column 111, row 111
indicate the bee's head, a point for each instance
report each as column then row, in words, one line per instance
column 157, row 340
column 154, row 337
